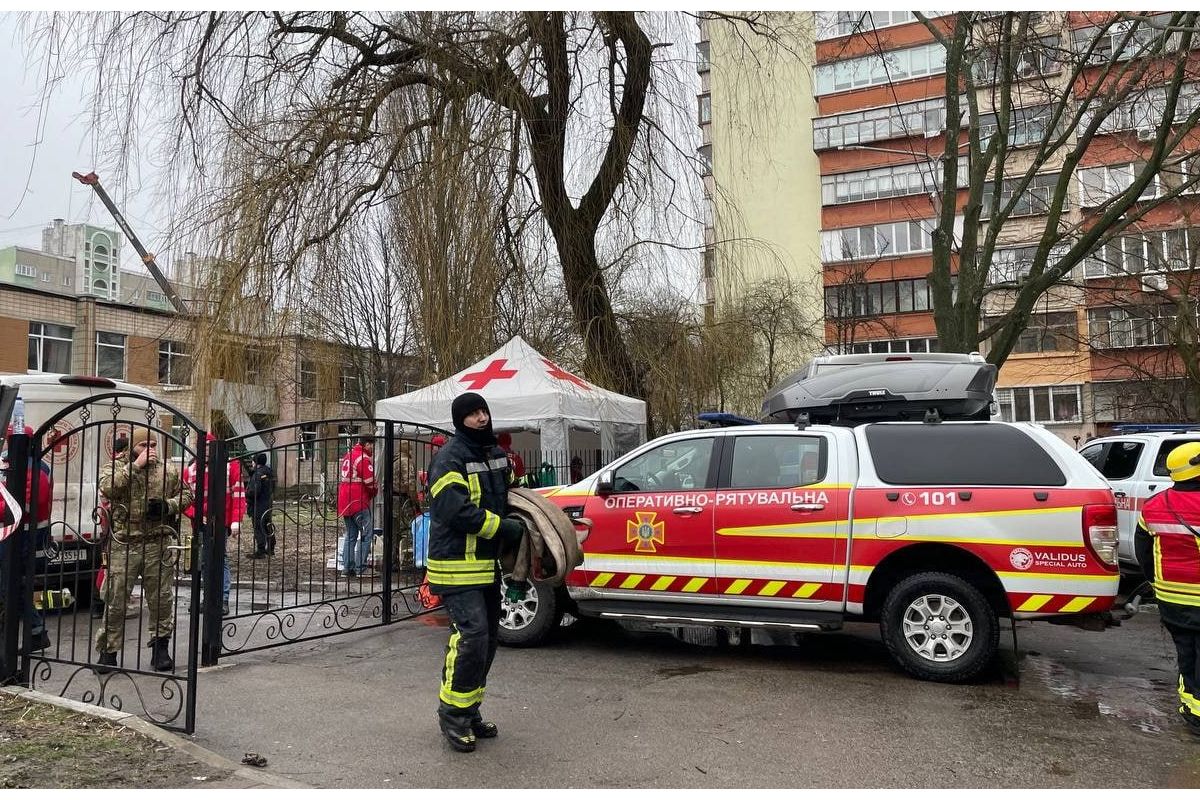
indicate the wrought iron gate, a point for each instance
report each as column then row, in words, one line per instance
column 103, row 576
column 288, row 580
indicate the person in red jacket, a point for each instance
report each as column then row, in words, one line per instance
column 1167, row 545
column 235, row 509
column 514, row 458
column 356, row 491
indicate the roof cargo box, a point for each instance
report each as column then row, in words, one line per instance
column 876, row 387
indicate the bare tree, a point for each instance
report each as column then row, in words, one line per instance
column 1027, row 97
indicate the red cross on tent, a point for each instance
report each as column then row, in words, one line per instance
column 555, row 371
column 494, row 371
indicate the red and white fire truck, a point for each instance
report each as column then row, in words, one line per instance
column 934, row 529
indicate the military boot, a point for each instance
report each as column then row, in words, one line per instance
column 106, row 663
column 160, row 658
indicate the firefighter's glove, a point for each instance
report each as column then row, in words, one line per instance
column 515, row 591
column 156, row 508
column 512, row 529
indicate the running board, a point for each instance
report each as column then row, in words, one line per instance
column 703, row 614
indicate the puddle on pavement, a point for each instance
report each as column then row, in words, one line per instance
column 1128, row 698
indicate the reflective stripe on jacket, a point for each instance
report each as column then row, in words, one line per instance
column 468, row 485
column 1167, row 517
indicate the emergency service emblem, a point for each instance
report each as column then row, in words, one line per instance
column 1021, row 558
column 644, row 530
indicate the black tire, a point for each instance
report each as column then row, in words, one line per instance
column 958, row 613
column 532, row 621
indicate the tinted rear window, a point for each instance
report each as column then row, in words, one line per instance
column 960, row 455
column 1164, row 450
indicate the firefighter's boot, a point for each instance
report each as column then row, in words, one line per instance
column 105, row 664
column 160, row 658
column 458, row 732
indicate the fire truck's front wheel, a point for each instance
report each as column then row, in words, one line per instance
column 530, row 621
column 938, row 627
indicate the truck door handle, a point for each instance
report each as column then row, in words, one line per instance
column 686, row 511
column 1119, row 494
column 804, row 507
column 1151, row 486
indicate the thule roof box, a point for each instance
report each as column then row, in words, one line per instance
column 876, row 387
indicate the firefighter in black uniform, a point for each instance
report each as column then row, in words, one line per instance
column 468, row 480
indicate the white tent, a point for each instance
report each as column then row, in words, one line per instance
column 526, row 391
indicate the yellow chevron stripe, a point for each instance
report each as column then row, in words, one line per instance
column 602, row 579
column 632, row 581
column 807, row 590
column 662, row 583
column 1035, row 602
column 1076, row 604
column 737, row 587
column 772, row 588
column 694, row 584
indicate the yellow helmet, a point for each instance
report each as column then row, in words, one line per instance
column 1184, row 462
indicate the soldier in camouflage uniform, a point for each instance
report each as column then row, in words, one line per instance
column 147, row 495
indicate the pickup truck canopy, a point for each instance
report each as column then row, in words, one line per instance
column 955, row 390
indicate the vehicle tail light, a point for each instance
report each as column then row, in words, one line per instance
column 1100, row 533
column 898, row 358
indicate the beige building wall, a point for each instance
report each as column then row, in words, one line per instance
column 765, row 184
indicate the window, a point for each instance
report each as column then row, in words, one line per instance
column 1117, row 461
column 1097, row 185
column 871, row 241
column 308, row 379
column 892, row 181
column 68, row 280
column 1164, row 449
column 308, row 442
column 704, row 112
column 676, row 465
column 1035, row 199
column 1131, row 326
column 1039, row 404
column 702, row 57
column 1125, row 39
column 110, row 355
column 26, row 271
column 883, row 297
column 919, row 345
column 776, row 462
column 1055, row 332
column 349, row 385
column 1143, row 110
column 1157, row 251
column 1013, row 264
column 706, row 159
column 1027, row 126
column 179, row 433
column 155, row 297
column 50, row 347
column 45, row 277
column 948, row 455
column 174, row 363
column 880, row 68
column 879, row 124
column 1037, row 58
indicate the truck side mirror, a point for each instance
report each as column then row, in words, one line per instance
column 604, row 484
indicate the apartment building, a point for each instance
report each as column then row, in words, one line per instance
column 76, row 311
column 1096, row 346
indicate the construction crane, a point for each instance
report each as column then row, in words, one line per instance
column 93, row 180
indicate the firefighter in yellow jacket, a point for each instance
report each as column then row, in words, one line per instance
column 1167, row 544
column 469, row 480
column 146, row 496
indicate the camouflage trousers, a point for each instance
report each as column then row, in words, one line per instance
column 150, row 560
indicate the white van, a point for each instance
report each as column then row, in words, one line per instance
column 74, row 463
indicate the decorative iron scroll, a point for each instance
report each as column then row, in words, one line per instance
column 132, row 691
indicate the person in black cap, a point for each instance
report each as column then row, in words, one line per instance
column 469, row 480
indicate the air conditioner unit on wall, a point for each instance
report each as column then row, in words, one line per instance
column 1146, row 134
column 1152, row 282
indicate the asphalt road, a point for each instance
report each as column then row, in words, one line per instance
column 614, row 709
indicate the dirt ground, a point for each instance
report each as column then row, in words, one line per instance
column 45, row 747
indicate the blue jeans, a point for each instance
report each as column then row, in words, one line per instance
column 360, row 532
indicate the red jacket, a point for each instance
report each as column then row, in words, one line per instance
column 235, row 492
column 357, row 487
column 1171, row 517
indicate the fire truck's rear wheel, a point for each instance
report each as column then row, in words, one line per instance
column 531, row 621
column 938, row 627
